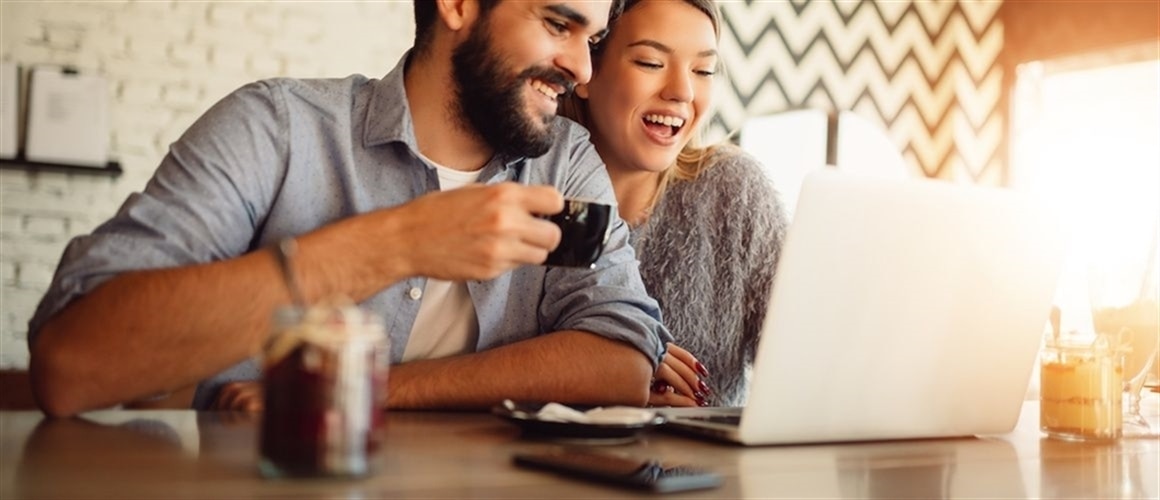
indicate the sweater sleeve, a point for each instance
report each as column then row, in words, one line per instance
column 764, row 223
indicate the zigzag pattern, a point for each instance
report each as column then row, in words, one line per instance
column 927, row 71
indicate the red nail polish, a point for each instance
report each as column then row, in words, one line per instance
column 659, row 387
column 701, row 369
column 704, row 387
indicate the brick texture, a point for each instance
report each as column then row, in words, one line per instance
column 166, row 63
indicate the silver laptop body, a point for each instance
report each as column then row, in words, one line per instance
column 901, row 309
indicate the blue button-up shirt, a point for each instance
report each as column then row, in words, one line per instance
column 283, row 157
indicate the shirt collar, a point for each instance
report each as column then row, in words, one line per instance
column 389, row 115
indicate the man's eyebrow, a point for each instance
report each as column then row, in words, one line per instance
column 668, row 50
column 569, row 13
column 575, row 17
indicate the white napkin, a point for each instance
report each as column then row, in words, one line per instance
column 613, row 415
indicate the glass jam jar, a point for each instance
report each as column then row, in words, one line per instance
column 1081, row 384
column 324, row 378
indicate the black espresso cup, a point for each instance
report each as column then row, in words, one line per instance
column 584, row 227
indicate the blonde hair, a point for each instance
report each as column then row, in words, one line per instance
column 692, row 161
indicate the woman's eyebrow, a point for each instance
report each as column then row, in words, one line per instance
column 666, row 49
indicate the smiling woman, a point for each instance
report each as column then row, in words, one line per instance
column 650, row 92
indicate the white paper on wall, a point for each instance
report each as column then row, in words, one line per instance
column 68, row 119
column 9, row 109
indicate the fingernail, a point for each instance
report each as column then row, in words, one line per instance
column 701, row 369
column 659, row 387
column 704, row 387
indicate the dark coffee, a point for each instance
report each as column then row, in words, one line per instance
column 315, row 423
column 584, row 229
column 324, row 387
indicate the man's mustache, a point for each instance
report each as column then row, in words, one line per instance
column 550, row 76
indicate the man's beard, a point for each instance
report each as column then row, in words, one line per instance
column 490, row 100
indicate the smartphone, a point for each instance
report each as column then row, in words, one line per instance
column 647, row 475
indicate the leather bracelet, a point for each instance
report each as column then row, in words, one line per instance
column 285, row 251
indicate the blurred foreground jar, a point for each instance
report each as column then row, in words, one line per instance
column 325, row 382
column 1081, row 383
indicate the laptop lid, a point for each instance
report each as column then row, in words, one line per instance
column 902, row 309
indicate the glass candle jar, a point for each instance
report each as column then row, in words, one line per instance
column 324, row 379
column 1080, row 389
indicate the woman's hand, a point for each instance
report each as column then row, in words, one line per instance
column 677, row 381
column 239, row 396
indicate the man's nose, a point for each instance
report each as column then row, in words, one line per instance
column 576, row 60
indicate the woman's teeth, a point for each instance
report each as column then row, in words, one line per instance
column 671, row 121
column 543, row 88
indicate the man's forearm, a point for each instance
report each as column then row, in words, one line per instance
column 566, row 367
column 151, row 332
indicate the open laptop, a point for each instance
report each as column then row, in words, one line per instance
column 901, row 309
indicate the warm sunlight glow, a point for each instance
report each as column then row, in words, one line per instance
column 1088, row 143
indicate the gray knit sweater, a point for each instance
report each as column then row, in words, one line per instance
column 708, row 255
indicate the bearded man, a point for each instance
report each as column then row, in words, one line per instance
column 418, row 195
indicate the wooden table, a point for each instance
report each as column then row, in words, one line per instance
column 184, row 454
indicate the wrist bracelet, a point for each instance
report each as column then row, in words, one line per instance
column 285, row 251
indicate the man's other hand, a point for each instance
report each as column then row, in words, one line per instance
column 239, row 396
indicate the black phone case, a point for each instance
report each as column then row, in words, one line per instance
column 649, row 475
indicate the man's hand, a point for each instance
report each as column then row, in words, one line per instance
column 239, row 396
column 479, row 232
column 676, row 382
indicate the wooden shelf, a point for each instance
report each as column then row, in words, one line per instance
column 112, row 169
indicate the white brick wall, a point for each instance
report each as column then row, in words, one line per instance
column 166, row 63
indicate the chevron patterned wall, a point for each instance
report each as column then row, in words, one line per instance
column 927, row 71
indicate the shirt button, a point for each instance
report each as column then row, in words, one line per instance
column 415, row 293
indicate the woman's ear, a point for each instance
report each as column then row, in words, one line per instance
column 457, row 14
column 582, row 91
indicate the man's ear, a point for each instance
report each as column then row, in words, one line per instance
column 457, row 14
column 582, row 91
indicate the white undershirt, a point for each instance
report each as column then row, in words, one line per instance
column 446, row 324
